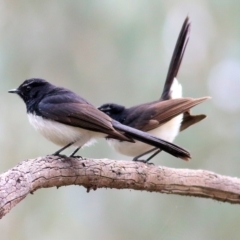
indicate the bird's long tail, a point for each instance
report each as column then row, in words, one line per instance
column 168, row 147
column 176, row 59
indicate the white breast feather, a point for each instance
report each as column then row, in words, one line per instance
column 176, row 89
column 62, row 134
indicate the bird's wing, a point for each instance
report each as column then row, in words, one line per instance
column 149, row 116
column 78, row 114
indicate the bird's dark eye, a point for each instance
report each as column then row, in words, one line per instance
column 28, row 88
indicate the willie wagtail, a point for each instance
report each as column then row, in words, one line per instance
column 159, row 118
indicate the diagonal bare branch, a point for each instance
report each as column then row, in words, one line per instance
column 51, row 171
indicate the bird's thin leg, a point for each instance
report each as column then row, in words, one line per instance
column 137, row 157
column 57, row 153
column 153, row 155
column 74, row 152
column 151, row 150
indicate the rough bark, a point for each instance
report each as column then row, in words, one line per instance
column 51, row 171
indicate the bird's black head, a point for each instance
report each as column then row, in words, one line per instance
column 113, row 110
column 32, row 89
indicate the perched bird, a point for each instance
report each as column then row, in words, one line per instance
column 159, row 118
column 67, row 119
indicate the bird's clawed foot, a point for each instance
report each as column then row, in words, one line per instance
column 59, row 155
column 74, row 156
column 143, row 161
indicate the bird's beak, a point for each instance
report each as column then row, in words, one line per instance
column 13, row 91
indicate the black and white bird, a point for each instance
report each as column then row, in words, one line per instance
column 158, row 118
column 67, row 119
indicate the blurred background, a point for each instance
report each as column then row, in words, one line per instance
column 119, row 51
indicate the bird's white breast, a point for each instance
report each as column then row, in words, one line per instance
column 167, row 131
column 62, row 134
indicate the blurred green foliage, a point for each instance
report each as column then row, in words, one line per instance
column 119, row 51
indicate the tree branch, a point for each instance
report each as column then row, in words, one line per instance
column 51, row 171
